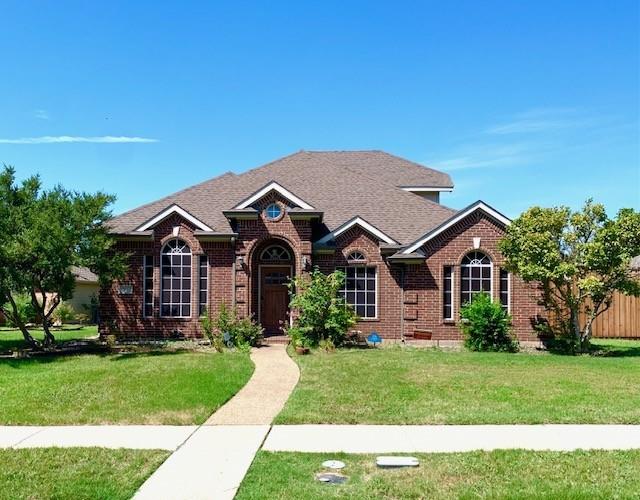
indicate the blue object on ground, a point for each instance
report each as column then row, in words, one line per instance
column 374, row 338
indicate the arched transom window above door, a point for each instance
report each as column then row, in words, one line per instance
column 475, row 276
column 275, row 253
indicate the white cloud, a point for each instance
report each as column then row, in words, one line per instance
column 542, row 120
column 59, row 139
column 483, row 156
column 41, row 114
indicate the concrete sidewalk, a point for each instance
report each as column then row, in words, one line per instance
column 163, row 437
column 449, row 438
column 210, row 465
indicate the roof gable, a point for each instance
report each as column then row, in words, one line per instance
column 173, row 209
column 478, row 205
column 273, row 186
column 357, row 221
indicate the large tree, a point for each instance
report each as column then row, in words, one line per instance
column 44, row 233
column 578, row 258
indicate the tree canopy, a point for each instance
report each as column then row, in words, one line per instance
column 579, row 259
column 45, row 232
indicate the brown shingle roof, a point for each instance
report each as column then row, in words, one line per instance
column 342, row 184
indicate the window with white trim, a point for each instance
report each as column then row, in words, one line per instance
column 360, row 290
column 273, row 211
column 475, row 276
column 275, row 253
column 447, row 293
column 505, row 282
column 203, row 277
column 175, row 272
column 356, row 257
column 147, row 283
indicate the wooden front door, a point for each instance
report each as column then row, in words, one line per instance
column 274, row 297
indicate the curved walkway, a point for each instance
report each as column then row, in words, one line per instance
column 212, row 462
column 258, row 402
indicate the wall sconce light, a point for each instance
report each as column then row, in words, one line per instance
column 305, row 263
column 240, row 262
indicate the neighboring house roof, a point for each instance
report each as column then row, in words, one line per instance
column 635, row 263
column 340, row 184
column 84, row 275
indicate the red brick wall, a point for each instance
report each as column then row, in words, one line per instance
column 423, row 292
column 123, row 314
column 419, row 308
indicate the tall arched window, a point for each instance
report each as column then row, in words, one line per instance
column 176, row 280
column 475, row 276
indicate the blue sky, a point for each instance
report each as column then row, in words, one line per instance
column 522, row 103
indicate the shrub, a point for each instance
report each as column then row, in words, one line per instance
column 26, row 311
column 322, row 314
column 227, row 329
column 63, row 314
column 486, row 326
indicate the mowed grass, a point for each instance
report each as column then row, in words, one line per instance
column 169, row 387
column 497, row 474
column 13, row 339
column 78, row 473
column 416, row 386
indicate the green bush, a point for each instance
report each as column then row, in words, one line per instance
column 486, row 326
column 63, row 314
column 227, row 329
column 322, row 314
column 26, row 311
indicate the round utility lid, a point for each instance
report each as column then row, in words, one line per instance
column 333, row 464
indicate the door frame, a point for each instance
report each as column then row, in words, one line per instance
column 260, row 266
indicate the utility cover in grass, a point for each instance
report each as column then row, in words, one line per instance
column 331, row 478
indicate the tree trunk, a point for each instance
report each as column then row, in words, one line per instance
column 577, row 332
column 49, row 339
column 14, row 316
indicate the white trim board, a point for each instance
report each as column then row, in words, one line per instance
column 364, row 225
column 478, row 205
column 174, row 209
column 426, row 189
column 274, row 186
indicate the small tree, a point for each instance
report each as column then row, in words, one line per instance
column 44, row 234
column 322, row 314
column 486, row 326
column 579, row 259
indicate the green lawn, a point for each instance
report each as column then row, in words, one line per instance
column 78, row 473
column 498, row 474
column 420, row 386
column 155, row 388
column 13, row 339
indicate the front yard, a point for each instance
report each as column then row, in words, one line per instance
column 420, row 386
column 13, row 339
column 497, row 474
column 78, row 473
column 164, row 387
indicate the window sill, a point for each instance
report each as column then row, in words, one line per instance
column 449, row 322
column 368, row 320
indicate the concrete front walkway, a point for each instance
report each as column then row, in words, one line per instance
column 449, row 438
column 215, row 459
column 258, row 402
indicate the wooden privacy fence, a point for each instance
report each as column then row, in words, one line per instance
column 621, row 320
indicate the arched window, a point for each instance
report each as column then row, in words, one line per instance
column 475, row 276
column 176, row 280
column 356, row 257
column 275, row 253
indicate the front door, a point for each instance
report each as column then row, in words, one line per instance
column 274, row 297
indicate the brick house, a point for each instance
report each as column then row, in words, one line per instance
column 410, row 261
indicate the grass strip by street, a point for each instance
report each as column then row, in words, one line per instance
column 162, row 387
column 78, row 473
column 497, row 474
column 428, row 386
